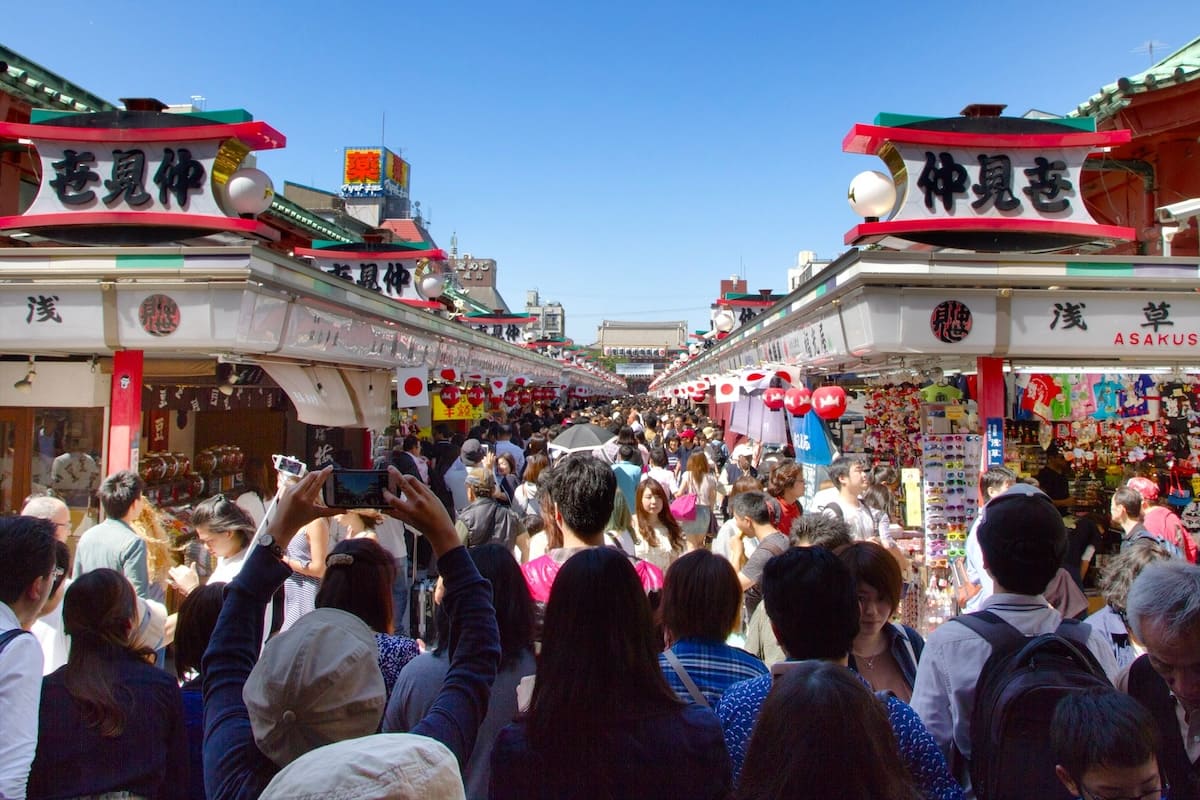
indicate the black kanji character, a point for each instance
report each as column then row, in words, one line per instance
column 45, row 307
column 942, row 177
column 1071, row 316
column 498, row 331
column 368, row 276
column 395, row 278
column 995, row 184
column 512, row 333
column 72, row 175
column 1156, row 315
column 178, row 174
column 128, row 178
column 1047, row 181
column 341, row 271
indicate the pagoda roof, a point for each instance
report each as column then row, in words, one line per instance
column 41, row 88
column 1182, row 66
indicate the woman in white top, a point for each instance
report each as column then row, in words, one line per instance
column 698, row 481
column 659, row 537
column 225, row 530
column 525, row 498
column 620, row 527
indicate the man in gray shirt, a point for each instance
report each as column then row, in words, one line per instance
column 113, row 543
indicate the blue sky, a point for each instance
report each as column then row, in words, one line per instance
column 623, row 157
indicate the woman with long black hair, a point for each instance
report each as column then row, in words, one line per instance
column 602, row 721
column 109, row 721
column 844, row 748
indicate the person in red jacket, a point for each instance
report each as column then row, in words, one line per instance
column 1161, row 521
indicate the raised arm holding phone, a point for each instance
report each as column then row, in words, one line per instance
column 261, row 718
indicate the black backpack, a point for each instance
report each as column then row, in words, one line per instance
column 1018, row 689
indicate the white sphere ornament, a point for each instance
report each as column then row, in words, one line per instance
column 250, row 191
column 872, row 194
column 431, row 279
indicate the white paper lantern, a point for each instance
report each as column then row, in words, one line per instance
column 250, row 191
column 872, row 194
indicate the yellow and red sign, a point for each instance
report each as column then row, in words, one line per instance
column 460, row 410
column 374, row 172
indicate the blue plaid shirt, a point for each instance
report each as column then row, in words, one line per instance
column 713, row 666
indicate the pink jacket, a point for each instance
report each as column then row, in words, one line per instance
column 541, row 572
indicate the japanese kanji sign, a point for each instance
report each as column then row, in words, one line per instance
column 99, row 174
column 1088, row 323
column 975, row 183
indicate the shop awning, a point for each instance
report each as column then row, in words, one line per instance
column 371, row 391
column 319, row 394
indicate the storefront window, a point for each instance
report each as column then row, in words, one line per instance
column 66, row 460
column 8, row 478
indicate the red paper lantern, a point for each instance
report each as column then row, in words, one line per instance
column 829, row 402
column 510, row 399
column 475, row 396
column 494, row 401
column 773, row 398
column 450, row 395
column 525, row 397
column 798, row 400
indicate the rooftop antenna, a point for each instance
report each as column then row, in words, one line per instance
column 454, row 245
column 1147, row 48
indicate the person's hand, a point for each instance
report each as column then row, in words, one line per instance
column 185, row 579
column 737, row 547
column 420, row 508
column 298, row 505
column 489, row 462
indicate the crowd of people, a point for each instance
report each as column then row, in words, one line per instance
column 657, row 615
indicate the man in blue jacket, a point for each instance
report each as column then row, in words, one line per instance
column 244, row 747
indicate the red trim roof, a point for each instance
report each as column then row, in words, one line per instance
column 869, row 230
column 255, row 135
column 868, row 139
column 140, row 218
column 436, row 254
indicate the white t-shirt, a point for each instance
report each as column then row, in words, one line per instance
column 720, row 544
column 50, row 634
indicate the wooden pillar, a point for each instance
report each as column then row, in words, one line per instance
column 991, row 409
column 125, row 417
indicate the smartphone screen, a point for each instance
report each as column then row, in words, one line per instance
column 356, row 488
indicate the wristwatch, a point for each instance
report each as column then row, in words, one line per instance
column 268, row 541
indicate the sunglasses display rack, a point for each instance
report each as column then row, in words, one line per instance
column 950, row 503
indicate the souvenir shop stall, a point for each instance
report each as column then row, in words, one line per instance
column 192, row 326
column 1114, row 398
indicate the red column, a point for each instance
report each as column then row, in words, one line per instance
column 991, row 408
column 125, row 417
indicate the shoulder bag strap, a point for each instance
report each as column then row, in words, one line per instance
column 999, row 634
column 11, row 634
column 692, row 688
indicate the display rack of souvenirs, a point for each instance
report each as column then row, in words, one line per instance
column 950, row 503
column 220, row 467
column 169, row 479
column 892, row 422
